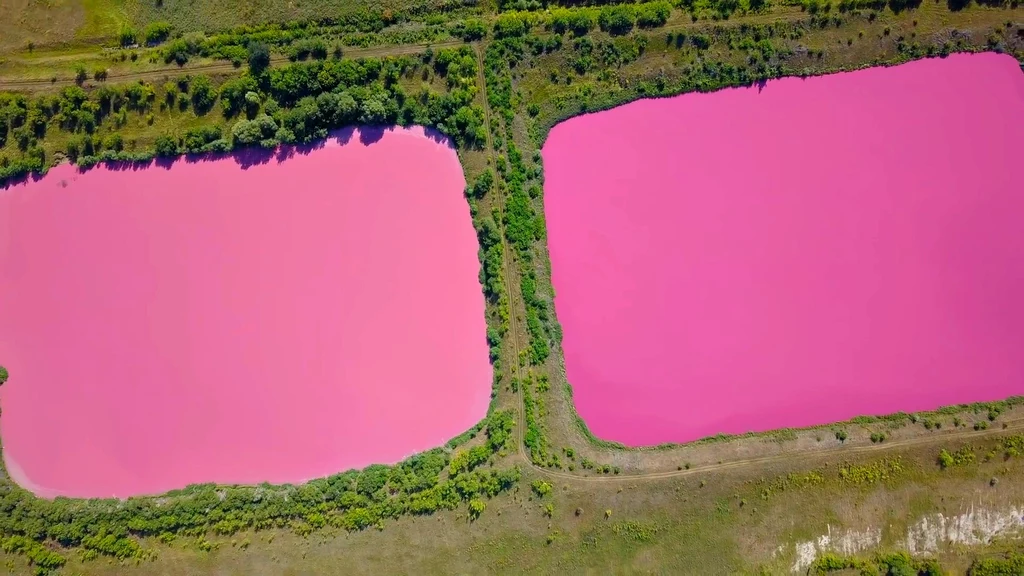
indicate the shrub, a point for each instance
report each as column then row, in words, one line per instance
column 653, row 14
column 476, row 508
column 203, row 96
column 127, row 37
column 841, row 435
column 255, row 131
column 510, row 24
column 541, row 488
column 577, row 21
column 617, row 19
column 166, row 146
column 3, row 375
column 157, row 32
column 945, row 459
column 470, row 30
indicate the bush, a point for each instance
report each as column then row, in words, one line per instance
column 476, row 508
column 470, row 30
column 541, row 488
column 510, row 24
column 197, row 139
column 577, row 21
column 157, row 32
column 253, row 132
column 203, row 96
column 653, row 14
column 233, row 94
column 127, row 37
column 945, row 459
column 166, row 147
column 617, row 19
column 3, row 375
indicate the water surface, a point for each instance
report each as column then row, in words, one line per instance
column 794, row 255
column 210, row 322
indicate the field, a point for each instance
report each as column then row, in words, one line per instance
column 531, row 490
column 91, row 22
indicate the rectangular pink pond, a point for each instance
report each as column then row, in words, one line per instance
column 795, row 255
column 209, row 323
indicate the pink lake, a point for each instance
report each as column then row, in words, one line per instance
column 801, row 254
column 209, row 323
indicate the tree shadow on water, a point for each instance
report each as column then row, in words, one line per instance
column 250, row 157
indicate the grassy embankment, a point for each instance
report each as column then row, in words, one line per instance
column 698, row 508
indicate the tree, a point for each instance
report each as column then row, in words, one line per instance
column 374, row 112
column 617, row 19
column 259, row 57
column 249, row 132
column 3, row 375
column 166, row 146
column 203, row 96
column 476, row 508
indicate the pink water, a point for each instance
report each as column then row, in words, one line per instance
column 813, row 251
column 209, row 323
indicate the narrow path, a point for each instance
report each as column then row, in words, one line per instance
column 840, row 450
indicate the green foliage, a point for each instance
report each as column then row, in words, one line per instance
column 541, row 488
column 841, row 435
column 157, row 32
column 509, row 24
column 44, row 560
column 476, row 508
column 258, row 131
column 470, row 30
column 1011, row 564
column 308, row 47
column 883, row 470
column 258, row 57
column 203, row 139
column 961, row 457
column 3, row 375
column 894, row 564
column 653, row 14
column 641, row 532
column 203, row 95
column 617, row 18
column 127, row 37
column 579, row 21
column 166, row 146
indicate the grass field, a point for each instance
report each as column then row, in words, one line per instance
column 75, row 22
column 744, row 505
